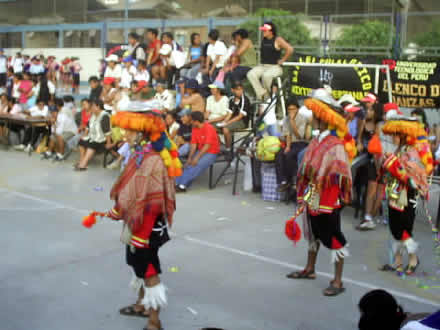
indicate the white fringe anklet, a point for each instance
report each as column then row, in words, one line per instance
column 337, row 255
column 155, row 297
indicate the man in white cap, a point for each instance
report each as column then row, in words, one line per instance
column 113, row 69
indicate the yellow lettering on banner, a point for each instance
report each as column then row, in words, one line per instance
column 435, row 90
column 414, row 102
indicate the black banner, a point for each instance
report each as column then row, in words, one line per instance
column 355, row 81
column 414, row 84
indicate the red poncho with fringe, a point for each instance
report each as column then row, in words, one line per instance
column 327, row 167
column 142, row 194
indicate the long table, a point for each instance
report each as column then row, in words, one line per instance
column 23, row 121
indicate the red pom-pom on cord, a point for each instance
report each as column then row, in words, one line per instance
column 293, row 230
column 90, row 220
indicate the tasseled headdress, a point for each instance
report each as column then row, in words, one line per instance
column 154, row 127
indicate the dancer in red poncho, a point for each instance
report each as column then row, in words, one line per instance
column 144, row 198
column 324, row 185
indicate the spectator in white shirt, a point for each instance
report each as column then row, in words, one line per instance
column 128, row 72
column 142, row 72
column 17, row 63
column 216, row 55
column 217, row 105
column 63, row 129
column 40, row 110
column 113, row 69
column 165, row 97
column 3, row 68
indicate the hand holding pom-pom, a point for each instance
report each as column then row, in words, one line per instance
column 89, row 221
column 293, row 230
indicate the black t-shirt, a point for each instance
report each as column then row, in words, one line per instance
column 243, row 106
column 95, row 93
column 185, row 132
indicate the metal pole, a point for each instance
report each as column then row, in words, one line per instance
column 283, row 102
column 127, row 4
column 390, row 92
column 376, row 81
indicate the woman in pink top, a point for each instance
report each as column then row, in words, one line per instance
column 25, row 89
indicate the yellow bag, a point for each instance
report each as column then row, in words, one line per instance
column 42, row 147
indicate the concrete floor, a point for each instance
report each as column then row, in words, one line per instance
column 225, row 266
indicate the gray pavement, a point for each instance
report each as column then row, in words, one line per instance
column 225, row 266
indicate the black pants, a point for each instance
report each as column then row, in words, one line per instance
column 29, row 139
column 286, row 165
column 327, row 229
column 403, row 221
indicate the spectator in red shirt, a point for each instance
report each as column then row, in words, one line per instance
column 205, row 146
column 85, row 115
column 153, row 49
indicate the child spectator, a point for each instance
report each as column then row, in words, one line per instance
column 113, row 69
column 165, row 97
column 38, row 111
column 129, row 72
column 24, row 89
column 108, row 93
column 18, row 63
column 142, row 72
column 194, row 100
column 99, row 134
column 95, row 88
column 183, row 137
column 172, row 125
column 63, row 129
column 191, row 69
column 85, row 115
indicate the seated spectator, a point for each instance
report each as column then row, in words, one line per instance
column 136, row 50
column 172, row 125
column 113, row 69
column 239, row 111
column 145, row 91
column 194, row 100
column 63, row 129
column 129, row 72
column 85, row 115
column 204, row 148
column 215, row 56
column 95, row 88
column 192, row 68
column 297, row 131
column 99, row 134
column 261, row 76
column 153, row 58
column 180, row 92
column 24, row 89
column 9, row 81
column 183, row 137
column 33, row 94
column 108, row 93
column 142, row 72
column 38, row 111
column 246, row 54
column 165, row 97
column 4, row 109
column 69, row 105
column 217, row 105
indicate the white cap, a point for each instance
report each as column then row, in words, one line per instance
column 348, row 98
column 165, row 49
column 112, row 58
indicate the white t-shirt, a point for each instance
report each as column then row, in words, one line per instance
column 17, row 64
column 219, row 48
column 127, row 76
column 217, row 109
column 37, row 112
column 166, row 100
column 3, row 64
column 51, row 87
column 270, row 118
column 15, row 91
column 142, row 76
column 173, row 128
column 116, row 72
column 65, row 124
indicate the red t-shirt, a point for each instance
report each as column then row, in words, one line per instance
column 152, row 49
column 206, row 135
column 85, row 117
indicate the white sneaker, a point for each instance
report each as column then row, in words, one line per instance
column 20, row 147
column 28, row 148
column 367, row 225
column 58, row 158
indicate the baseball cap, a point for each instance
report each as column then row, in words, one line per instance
column 192, row 83
column 142, row 84
column 127, row 59
column 391, row 106
column 265, row 27
column 112, row 58
column 108, row 80
column 351, row 108
column 165, row 49
column 185, row 112
column 349, row 99
column 217, row 84
column 370, row 97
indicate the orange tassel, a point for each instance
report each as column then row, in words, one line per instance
column 90, row 220
column 374, row 146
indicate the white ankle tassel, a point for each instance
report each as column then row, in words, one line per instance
column 155, row 297
column 411, row 245
column 337, row 255
column 136, row 283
